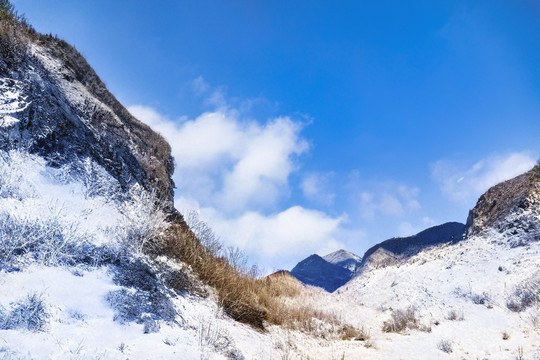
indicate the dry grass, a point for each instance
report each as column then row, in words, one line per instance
column 244, row 296
column 237, row 291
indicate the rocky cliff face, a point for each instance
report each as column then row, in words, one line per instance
column 511, row 207
column 53, row 104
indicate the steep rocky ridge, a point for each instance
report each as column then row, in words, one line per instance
column 511, row 206
column 65, row 112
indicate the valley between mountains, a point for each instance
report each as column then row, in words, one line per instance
column 96, row 263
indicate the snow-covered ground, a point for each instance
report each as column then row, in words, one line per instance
column 74, row 283
column 60, row 306
column 461, row 293
column 57, row 303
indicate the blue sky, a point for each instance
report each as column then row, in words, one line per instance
column 301, row 127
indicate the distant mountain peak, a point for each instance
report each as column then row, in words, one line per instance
column 345, row 259
column 341, row 255
column 451, row 232
column 316, row 271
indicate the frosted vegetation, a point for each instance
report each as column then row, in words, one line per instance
column 71, row 215
column 74, row 266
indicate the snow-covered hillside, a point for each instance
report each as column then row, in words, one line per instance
column 85, row 187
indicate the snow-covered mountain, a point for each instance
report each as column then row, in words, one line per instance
column 316, row 271
column 327, row 272
column 53, row 104
column 85, row 191
column 402, row 248
column 345, row 259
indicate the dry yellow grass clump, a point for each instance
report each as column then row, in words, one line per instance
column 247, row 298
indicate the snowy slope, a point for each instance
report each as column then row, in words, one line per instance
column 78, row 185
column 73, row 286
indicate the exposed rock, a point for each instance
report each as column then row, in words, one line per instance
column 55, row 105
column 503, row 205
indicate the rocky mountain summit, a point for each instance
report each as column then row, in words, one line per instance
column 511, row 207
column 405, row 247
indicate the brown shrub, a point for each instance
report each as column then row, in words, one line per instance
column 242, row 295
column 235, row 290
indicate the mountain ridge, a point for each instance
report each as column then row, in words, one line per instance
column 61, row 125
column 382, row 254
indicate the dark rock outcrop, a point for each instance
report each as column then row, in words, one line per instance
column 516, row 196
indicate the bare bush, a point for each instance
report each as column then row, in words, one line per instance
column 401, row 320
column 454, row 315
column 479, row 299
column 142, row 298
column 94, row 178
column 143, row 219
column 525, row 295
column 29, row 313
column 445, row 346
column 212, row 337
column 48, row 240
column 13, row 166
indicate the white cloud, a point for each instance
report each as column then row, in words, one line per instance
column 264, row 163
column 467, row 184
column 232, row 171
column 200, row 86
column 225, row 162
column 296, row 230
column 316, row 187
